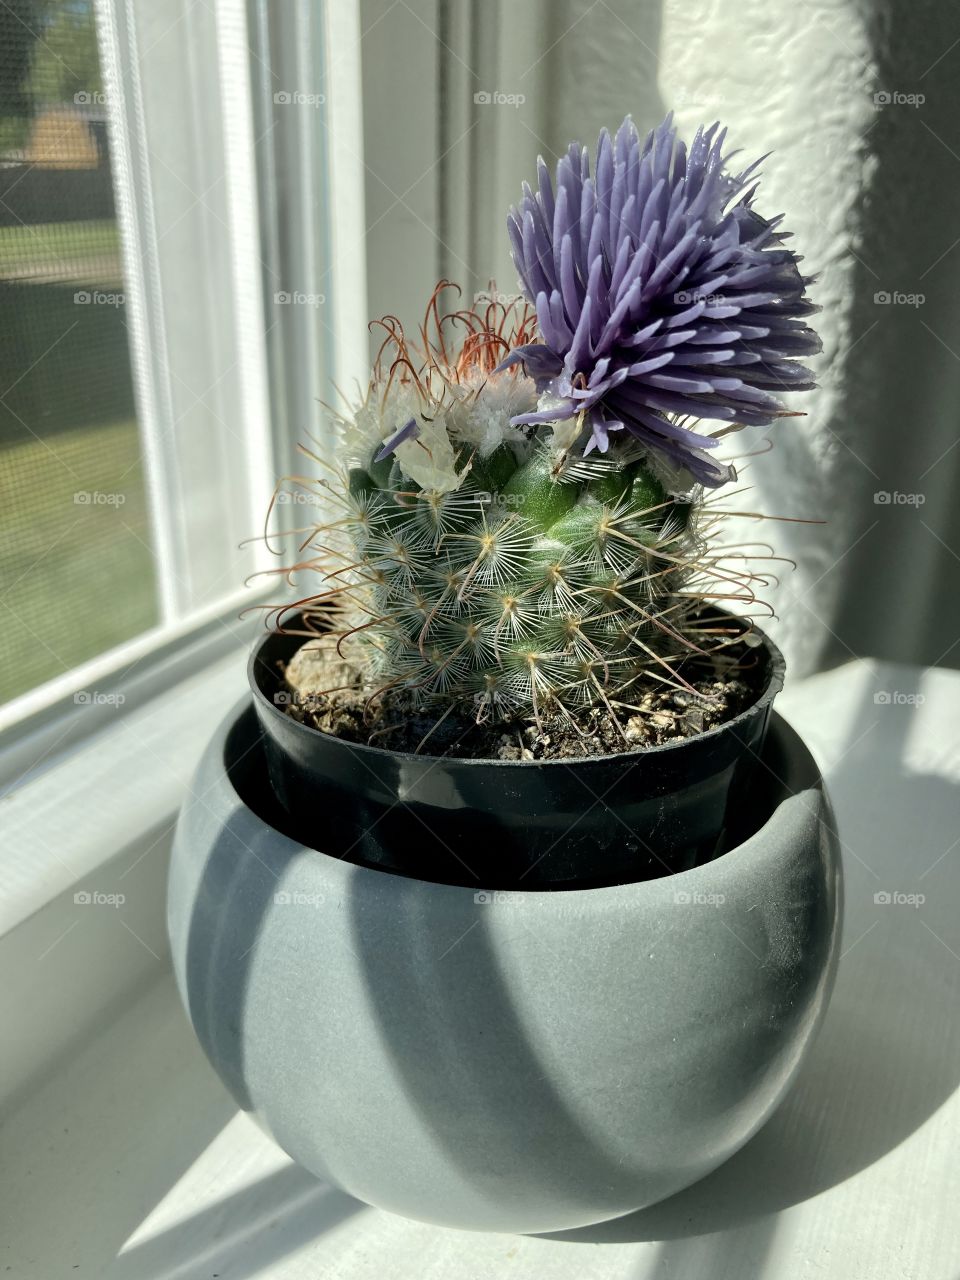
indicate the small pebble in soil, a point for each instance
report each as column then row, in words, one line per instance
column 326, row 694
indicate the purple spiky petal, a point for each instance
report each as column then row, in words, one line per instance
column 661, row 295
column 409, row 431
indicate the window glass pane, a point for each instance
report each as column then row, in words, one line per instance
column 76, row 567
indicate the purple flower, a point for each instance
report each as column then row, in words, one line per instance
column 661, row 296
column 409, row 431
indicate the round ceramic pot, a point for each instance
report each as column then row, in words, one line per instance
column 502, row 1060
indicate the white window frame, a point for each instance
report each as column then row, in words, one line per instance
column 94, row 789
column 274, row 361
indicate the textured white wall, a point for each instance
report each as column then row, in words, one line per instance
column 872, row 196
column 796, row 81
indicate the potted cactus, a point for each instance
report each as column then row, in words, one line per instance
column 573, row 890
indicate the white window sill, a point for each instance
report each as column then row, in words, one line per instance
column 130, row 1161
column 99, row 821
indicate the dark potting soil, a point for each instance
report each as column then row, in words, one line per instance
column 326, row 694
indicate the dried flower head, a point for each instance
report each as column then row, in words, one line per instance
column 439, row 401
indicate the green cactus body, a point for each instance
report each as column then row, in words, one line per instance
column 517, row 591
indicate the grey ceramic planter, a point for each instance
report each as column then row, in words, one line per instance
column 524, row 1061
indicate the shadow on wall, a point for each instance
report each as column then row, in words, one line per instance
column 879, row 572
column 899, row 415
column 495, row 83
column 579, row 71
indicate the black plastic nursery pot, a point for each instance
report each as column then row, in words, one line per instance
column 515, row 824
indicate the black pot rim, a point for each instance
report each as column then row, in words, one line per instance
column 776, row 670
column 805, row 777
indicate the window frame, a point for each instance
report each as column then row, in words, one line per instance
column 298, row 236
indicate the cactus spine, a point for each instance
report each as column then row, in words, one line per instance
column 494, row 569
column 516, row 591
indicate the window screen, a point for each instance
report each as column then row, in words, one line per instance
column 76, row 567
